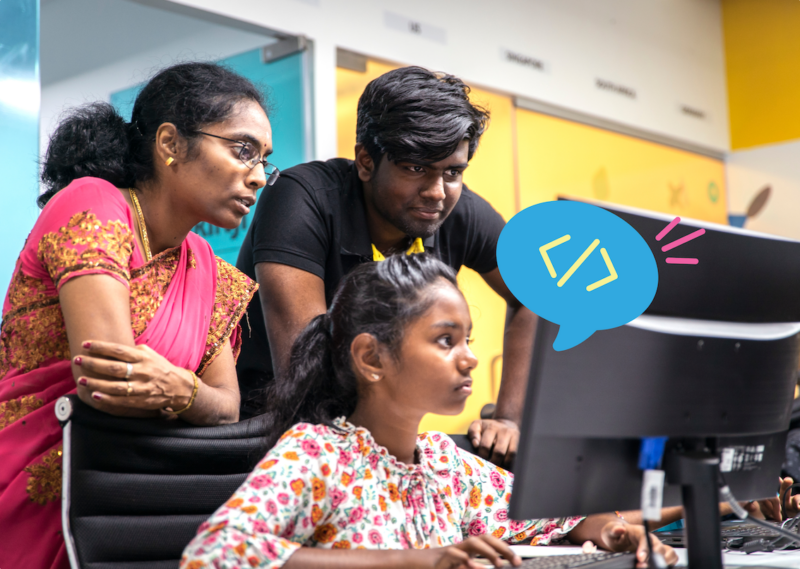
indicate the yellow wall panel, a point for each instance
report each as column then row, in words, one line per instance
column 560, row 157
column 762, row 56
column 554, row 157
column 491, row 170
column 349, row 86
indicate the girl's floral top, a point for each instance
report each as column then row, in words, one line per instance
column 337, row 488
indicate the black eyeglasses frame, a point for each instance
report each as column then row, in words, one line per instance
column 272, row 176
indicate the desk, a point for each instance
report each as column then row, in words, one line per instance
column 774, row 559
column 731, row 559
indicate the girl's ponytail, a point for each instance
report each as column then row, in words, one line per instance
column 301, row 393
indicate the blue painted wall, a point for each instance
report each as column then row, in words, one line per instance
column 282, row 83
column 19, row 128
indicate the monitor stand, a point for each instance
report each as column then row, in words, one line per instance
column 698, row 475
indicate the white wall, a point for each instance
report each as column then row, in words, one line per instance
column 669, row 51
column 148, row 39
column 777, row 166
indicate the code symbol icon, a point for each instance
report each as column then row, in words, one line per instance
column 551, row 269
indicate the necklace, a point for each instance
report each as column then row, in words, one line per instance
column 142, row 228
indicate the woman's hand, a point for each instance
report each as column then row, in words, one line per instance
column 621, row 536
column 460, row 556
column 116, row 379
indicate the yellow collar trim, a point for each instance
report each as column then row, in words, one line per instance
column 416, row 247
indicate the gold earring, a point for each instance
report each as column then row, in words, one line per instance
column 170, row 160
column 376, row 376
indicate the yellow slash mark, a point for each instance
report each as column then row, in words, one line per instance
column 579, row 262
column 544, row 248
column 609, row 278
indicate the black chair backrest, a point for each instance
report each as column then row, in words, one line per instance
column 136, row 490
column 463, row 442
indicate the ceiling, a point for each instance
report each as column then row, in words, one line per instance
column 78, row 36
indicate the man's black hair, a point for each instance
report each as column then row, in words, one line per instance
column 418, row 115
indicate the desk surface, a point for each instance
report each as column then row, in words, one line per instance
column 731, row 559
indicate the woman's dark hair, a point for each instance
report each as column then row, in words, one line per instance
column 94, row 140
column 415, row 114
column 375, row 298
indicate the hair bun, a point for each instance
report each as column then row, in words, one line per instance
column 91, row 141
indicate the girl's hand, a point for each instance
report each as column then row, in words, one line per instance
column 771, row 508
column 141, row 379
column 620, row 536
column 460, row 556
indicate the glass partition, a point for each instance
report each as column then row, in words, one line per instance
column 19, row 127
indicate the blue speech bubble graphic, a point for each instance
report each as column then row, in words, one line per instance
column 577, row 265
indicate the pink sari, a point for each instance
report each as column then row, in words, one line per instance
column 185, row 304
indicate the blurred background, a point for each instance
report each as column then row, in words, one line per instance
column 687, row 107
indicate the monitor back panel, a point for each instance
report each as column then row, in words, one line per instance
column 629, row 382
column 742, row 276
column 587, row 408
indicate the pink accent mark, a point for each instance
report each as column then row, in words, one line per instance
column 683, row 240
column 668, row 228
column 682, row 261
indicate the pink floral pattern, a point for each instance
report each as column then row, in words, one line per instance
column 337, row 488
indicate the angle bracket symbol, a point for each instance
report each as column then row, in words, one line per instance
column 545, row 248
column 611, row 277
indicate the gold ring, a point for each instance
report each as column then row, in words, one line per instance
column 130, row 389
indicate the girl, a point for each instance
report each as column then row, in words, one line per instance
column 353, row 484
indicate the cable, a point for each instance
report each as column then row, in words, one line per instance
column 789, row 523
column 742, row 514
column 783, row 499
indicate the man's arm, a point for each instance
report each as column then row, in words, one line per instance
column 498, row 439
column 290, row 298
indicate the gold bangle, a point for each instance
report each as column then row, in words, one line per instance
column 194, row 393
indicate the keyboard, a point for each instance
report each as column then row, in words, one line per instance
column 600, row 560
column 751, row 537
column 733, row 534
column 749, row 530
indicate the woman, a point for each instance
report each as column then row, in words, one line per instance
column 113, row 291
column 393, row 347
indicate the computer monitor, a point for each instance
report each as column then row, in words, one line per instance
column 708, row 385
column 742, row 275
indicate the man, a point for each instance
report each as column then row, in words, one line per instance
column 416, row 133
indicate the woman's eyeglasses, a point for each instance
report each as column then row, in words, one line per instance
column 250, row 157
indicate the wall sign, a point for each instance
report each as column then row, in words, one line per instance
column 693, row 112
column 606, row 85
column 414, row 27
column 522, row 59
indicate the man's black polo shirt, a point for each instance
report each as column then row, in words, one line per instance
column 314, row 219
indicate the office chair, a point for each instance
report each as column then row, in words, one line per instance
column 134, row 491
